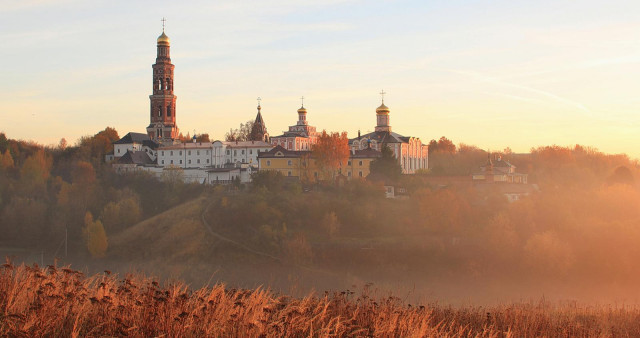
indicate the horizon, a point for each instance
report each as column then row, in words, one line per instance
column 493, row 75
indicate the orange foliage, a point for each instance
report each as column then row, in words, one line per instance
column 331, row 151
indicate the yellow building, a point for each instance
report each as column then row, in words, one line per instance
column 302, row 165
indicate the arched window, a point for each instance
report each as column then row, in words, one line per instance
column 169, row 110
column 159, row 111
column 168, row 82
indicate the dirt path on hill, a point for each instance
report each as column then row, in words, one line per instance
column 226, row 239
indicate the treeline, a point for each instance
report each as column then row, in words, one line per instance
column 47, row 191
column 582, row 224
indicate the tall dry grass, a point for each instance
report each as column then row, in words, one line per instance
column 51, row 301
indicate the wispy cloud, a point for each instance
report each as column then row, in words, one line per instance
column 497, row 81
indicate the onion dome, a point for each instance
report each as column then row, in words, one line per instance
column 302, row 110
column 382, row 109
column 163, row 39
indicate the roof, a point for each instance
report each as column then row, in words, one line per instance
column 133, row 138
column 135, row 157
column 187, row 145
column 151, row 144
column 247, row 144
column 365, row 153
column 383, row 137
column 279, row 152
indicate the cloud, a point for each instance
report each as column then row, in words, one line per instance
column 499, row 82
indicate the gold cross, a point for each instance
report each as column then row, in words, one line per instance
column 382, row 94
column 259, row 99
column 163, row 21
column 302, row 99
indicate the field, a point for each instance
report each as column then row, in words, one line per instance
column 53, row 301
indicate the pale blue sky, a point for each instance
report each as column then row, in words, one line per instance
column 489, row 73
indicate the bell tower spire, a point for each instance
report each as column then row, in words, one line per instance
column 162, row 126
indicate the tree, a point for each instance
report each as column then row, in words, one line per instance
column 243, row 133
column 331, row 151
column 96, row 237
column 6, row 161
column 386, row 165
column 4, row 143
column 443, row 145
column 203, row 138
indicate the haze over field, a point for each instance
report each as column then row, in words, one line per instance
column 481, row 72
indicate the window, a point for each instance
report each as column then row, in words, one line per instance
column 162, row 161
column 315, row 174
column 207, row 152
column 250, row 152
column 163, row 153
column 189, row 153
column 171, row 161
column 360, row 173
column 289, row 173
column 228, row 152
column 197, row 152
column 360, row 164
column 180, row 161
column 180, row 153
column 118, row 151
column 171, row 153
column 235, row 152
column 289, row 162
column 243, row 160
column 189, row 162
column 198, row 161
column 207, row 161
column 242, row 151
column 268, row 163
column 349, row 174
column 348, row 162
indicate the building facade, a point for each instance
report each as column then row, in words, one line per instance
column 299, row 137
column 411, row 153
column 162, row 112
column 301, row 164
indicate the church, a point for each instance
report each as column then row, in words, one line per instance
column 411, row 153
column 160, row 149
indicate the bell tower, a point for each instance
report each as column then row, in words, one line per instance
column 162, row 126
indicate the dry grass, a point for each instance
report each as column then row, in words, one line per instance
column 52, row 301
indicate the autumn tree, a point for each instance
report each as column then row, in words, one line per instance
column 6, row 161
column 443, row 145
column 243, row 133
column 331, row 152
column 204, row 137
column 95, row 147
column 95, row 236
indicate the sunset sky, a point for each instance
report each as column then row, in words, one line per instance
column 488, row 73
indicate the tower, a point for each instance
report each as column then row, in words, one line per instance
column 162, row 126
column 259, row 129
column 382, row 115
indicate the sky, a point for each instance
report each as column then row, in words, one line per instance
column 493, row 74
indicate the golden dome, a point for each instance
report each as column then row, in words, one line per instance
column 382, row 109
column 163, row 39
column 302, row 110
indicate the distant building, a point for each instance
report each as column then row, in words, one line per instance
column 411, row 153
column 302, row 165
column 300, row 136
column 259, row 128
column 162, row 127
column 499, row 171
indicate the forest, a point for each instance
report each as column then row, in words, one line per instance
column 577, row 232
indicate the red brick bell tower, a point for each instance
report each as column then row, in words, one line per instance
column 162, row 126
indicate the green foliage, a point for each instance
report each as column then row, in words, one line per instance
column 267, row 179
column 386, row 166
